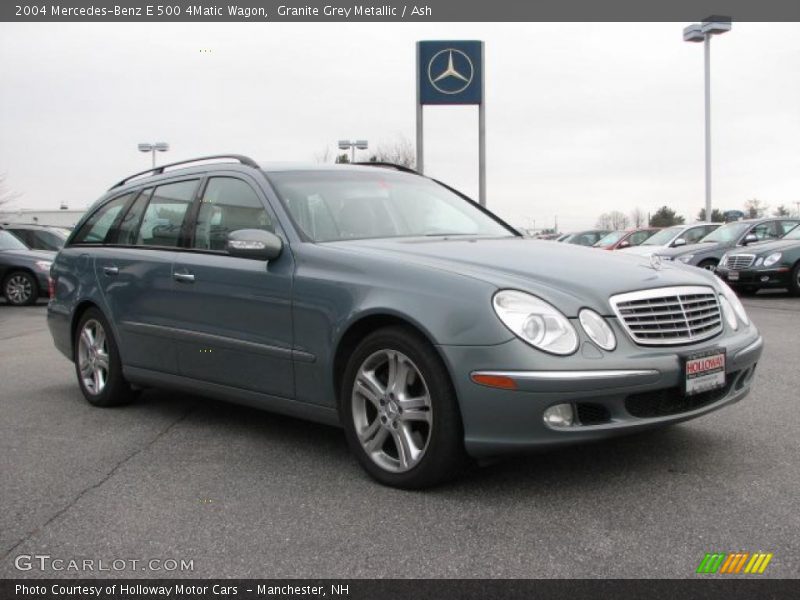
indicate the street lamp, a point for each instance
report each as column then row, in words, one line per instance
column 157, row 147
column 702, row 32
column 360, row 144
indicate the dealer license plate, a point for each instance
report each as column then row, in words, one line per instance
column 705, row 371
column 733, row 275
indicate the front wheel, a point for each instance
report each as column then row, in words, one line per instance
column 709, row 264
column 97, row 362
column 794, row 281
column 400, row 412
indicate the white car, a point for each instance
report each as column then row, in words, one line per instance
column 672, row 237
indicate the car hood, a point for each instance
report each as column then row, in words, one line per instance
column 31, row 254
column 768, row 247
column 569, row 276
column 691, row 249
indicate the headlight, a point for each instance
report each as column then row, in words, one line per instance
column 535, row 322
column 597, row 329
column 44, row 265
column 686, row 258
column 727, row 312
column 737, row 305
column 724, row 260
column 772, row 259
column 759, row 260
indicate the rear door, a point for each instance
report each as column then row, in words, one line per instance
column 135, row 273
column 235, row 316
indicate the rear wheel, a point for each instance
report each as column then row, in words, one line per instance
column 400, row 411
column 20, row 288
column 97, row 362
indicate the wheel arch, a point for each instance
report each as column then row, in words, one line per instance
column 80, row 309
column 361, row 327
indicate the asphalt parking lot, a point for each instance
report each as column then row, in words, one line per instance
column 244, row 493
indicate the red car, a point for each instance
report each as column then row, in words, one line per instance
column 625, row 238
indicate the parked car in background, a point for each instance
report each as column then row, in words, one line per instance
column 672, row 237
column 585, row 238
column 767, row 265
column 382, row 301
column 707, row 253
column 24, row 273
column 38, row 237
column 624, row 238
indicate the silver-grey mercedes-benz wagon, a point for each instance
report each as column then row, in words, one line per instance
column 388, row 303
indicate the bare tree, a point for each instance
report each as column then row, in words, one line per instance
column 324, row 156
column 638, row 217
column 754, row 209
column 781, row 211
column 612, row 220
column 399, row 152
column 6, row 195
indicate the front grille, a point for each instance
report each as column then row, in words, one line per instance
column 671, row 401
column 736, row 262
column 669, row 316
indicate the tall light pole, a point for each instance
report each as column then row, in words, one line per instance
column 153, row 148
column 352, row 145
column 702, row 32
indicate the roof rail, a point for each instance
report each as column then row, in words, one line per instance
column 245, row 160
column 377, row 163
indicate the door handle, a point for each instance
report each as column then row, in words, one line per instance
column 183, row 277
column 111, row 270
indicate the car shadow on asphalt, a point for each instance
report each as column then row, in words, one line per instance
column 672, row 451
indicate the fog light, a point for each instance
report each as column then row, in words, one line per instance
column 559, row 415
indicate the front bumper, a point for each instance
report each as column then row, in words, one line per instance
column 631, row 389
column 777, row 277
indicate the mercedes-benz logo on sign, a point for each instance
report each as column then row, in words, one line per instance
column 450, row 71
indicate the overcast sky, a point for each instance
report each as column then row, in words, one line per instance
column 581, row 118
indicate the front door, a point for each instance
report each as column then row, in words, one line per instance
column 235, row 323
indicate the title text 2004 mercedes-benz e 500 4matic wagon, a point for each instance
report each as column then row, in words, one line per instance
column 388, row 303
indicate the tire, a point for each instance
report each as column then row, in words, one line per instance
column 21, row 288
column 794, row 280
column 97, row 363
column 747, row 290
column 405, row 431
column 708, row 264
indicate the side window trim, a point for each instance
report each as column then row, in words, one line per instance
column 112, row 228
column 200, row 180
column 114, row 240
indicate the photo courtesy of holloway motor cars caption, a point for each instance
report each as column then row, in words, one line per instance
column 393, row 300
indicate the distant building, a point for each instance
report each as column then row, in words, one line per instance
column 59, row 218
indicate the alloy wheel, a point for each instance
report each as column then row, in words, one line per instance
column 18, row 289
column 93, row 361
column 392, row 410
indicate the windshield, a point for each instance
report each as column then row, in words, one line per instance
column 663, row 237
column 347, row 205
column 794, row 233
column 611, row 238
column 10, row 242
column 726, row 233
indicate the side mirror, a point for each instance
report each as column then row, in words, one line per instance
column 257, row 244
column 750, row 238
column 624, row 244
column 679, row 242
